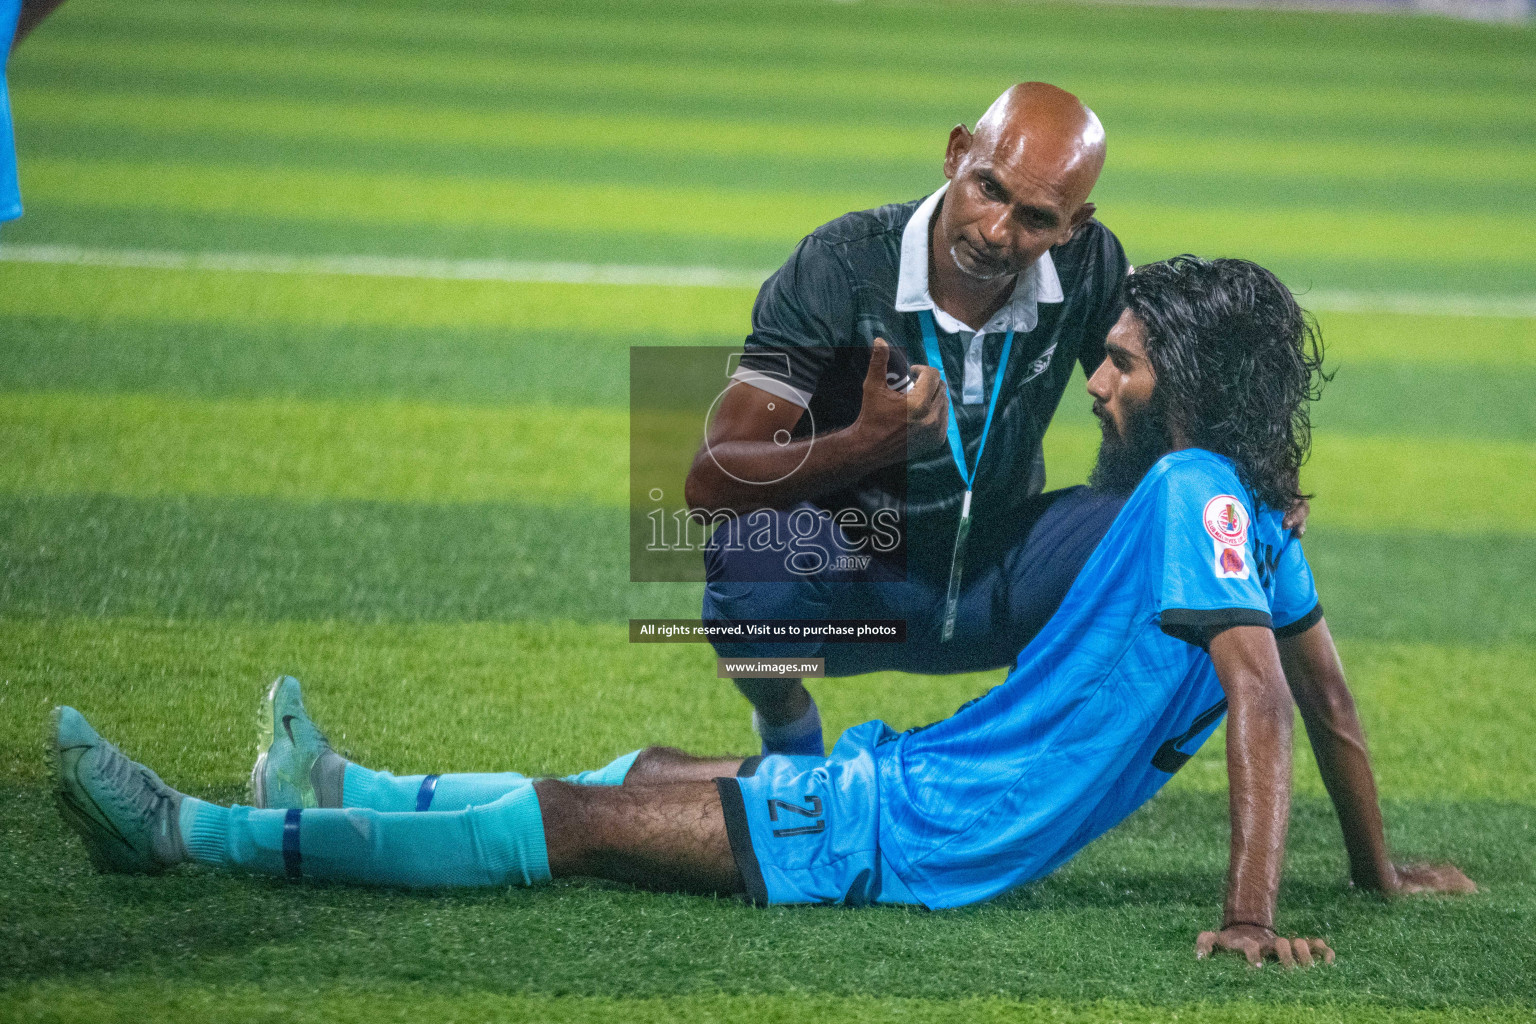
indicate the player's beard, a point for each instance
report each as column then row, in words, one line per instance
column 1125, row 458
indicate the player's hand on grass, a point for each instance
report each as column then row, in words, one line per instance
column 1260, row 944
column 895, row 424
column 1410, row 879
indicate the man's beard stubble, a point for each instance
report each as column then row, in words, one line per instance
column 990, row 272
column 1124, row 459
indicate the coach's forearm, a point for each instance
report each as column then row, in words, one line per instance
column 1316, row 678
column 1259, row 726
column 724, row 474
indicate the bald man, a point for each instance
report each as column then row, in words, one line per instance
column 841, row 497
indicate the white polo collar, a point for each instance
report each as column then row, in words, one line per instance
column 1021, row 312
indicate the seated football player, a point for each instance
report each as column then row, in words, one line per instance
column 1197, row 604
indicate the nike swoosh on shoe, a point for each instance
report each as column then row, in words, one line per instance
column 93, row 813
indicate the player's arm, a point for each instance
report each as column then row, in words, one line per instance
column 32, row 12
column 1259, row 725
column 748, row 461
column 1316, row 679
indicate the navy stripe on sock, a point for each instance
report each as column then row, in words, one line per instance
column 292, row 861
column 425, row 793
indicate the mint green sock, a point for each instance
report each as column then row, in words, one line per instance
column 610, row 774
column 381, row 791
column 499, row 843
column 204, row 830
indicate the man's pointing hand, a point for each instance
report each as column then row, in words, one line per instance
column 891, row 425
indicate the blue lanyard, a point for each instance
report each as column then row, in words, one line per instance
column 967, row 474
column 956, row 446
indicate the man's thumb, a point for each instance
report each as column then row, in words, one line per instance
column 879, row 359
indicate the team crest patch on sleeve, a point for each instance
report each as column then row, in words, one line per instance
column 1231, row 563
column 1226, row 521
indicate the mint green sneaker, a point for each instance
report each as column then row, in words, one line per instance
column 129, row 819
column 295, row 765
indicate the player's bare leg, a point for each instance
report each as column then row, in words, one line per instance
column 669, row 836
column 658, row 766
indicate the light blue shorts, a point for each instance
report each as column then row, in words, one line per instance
column 807, row 829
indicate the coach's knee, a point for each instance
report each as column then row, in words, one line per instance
column 736, row 601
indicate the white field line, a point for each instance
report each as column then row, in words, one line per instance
column 388, row 266
column 1419, row 303
column 1422, row 303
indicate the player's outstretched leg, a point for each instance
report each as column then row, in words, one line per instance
column 671, row 837
column 133, row 822
column 665, row 836
column 129, row 819
column 296, row 767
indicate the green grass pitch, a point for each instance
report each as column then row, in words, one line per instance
column 410, row 493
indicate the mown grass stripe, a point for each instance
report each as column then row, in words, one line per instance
column 511, row 271
column 1435, row 401
column 151, row 445
column 1443, row 400
column 139, row 228
column 1420, row 303
column 477, row 366
column 810, row 31
column 400, row 199
column 240, row 300
column 555, row 272
column 1328, row 164
column 109, row 295
column 724, row 68
column 135, row 228
column 787, row 95
column 189, row 558
column 266, row 559
column 821, row 31
column 1354, row 338
column 1383, row 483
column 1154, row 229
column 496, row 366
column 307, row 450
column 835, row 169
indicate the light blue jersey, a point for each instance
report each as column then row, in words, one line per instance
column 10, row 191
column 1109, row 699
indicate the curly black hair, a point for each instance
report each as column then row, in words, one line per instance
column 1237, row 362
